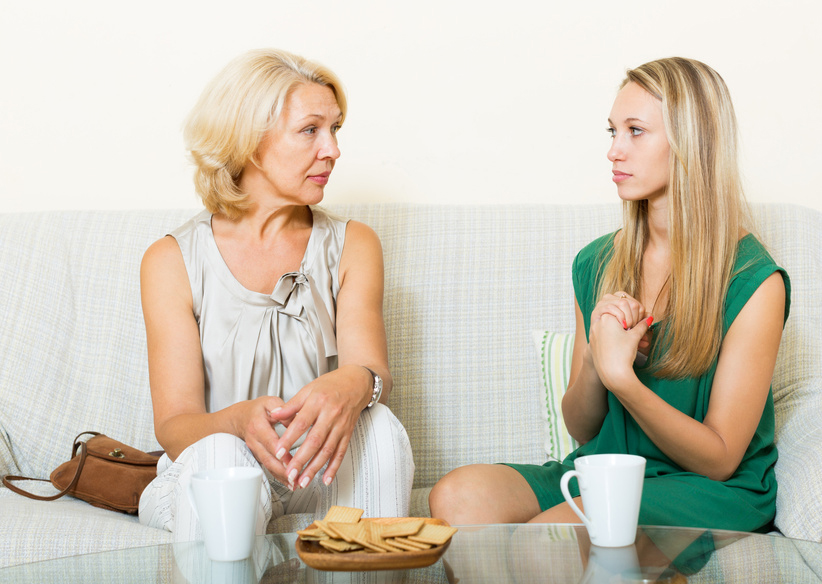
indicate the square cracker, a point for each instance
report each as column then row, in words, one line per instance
column 416, row 544
column 370, row 538
column 326, row 527
column 338, row 514
column 348, row 531
column 434, row 534
column 402, row 528
column 337, row 545
column 407, row 547
column 312, row 534
column 374, row 533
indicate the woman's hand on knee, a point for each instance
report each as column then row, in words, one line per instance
column 325, row 411
column 256, row 428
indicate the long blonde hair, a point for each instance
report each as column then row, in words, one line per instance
column 224, row 130
column 706, row 210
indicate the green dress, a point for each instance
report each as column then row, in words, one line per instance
column 670, row 495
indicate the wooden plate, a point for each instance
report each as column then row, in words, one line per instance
column 316, row 556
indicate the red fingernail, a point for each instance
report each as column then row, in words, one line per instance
column 650, row 320
column 624, row 324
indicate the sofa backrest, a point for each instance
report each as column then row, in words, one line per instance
column 72, row 341
column 465, row 286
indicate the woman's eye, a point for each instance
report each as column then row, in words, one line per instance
column 637, row 131
column 310, row 130
column 335, row 128
column 611, row 132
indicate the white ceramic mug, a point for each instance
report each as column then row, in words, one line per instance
column 611, row 488
column 225, row 501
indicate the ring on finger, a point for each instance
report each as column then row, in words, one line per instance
column 623, row 295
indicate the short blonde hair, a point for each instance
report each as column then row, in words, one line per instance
column 225, row 128
column 706, row 211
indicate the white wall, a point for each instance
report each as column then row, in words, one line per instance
column 450, row 102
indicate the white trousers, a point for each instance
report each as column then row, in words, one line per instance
column 376, row 475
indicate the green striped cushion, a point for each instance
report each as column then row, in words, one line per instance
column 554, row 352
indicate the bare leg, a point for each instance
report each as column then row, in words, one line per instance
column 483, row 493
column 561, row 513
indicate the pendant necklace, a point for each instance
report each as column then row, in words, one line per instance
column 658, row 294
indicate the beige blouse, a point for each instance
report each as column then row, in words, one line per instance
column 264, row 344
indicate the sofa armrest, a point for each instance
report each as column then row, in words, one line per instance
column 799, row 468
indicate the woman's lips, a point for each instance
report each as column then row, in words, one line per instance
column 620, row 176
column 320, row 179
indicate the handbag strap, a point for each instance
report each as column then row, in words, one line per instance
column 7, row 479
column 77, row 441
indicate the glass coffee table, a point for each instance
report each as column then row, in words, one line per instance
column 477, row 554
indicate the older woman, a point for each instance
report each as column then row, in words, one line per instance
column 266, row 342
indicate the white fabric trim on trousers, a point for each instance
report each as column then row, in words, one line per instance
column 376, row 475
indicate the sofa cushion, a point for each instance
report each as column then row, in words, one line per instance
column 39, row 530
column 554, row 351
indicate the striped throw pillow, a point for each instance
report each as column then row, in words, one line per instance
column 554, row 351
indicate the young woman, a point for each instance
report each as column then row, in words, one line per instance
column 266, row 343
column 679, row 317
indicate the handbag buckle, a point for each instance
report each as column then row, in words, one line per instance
column 117, row 453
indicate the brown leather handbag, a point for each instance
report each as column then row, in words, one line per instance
column 105, row 473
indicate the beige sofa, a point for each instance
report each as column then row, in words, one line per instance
column 466, row 289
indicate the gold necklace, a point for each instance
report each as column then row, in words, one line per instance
column 658, row 294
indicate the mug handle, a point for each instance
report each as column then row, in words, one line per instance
column 563, row 486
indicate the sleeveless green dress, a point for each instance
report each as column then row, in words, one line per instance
column 670, row 495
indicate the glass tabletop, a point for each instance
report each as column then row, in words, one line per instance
column 477, row 554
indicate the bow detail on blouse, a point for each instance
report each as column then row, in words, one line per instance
column 297, row 296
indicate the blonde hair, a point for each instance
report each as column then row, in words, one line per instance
column 706, row 210
column 224, row 130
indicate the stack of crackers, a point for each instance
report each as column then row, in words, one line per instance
column 343, row 530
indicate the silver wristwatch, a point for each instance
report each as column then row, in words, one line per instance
column 375, row 397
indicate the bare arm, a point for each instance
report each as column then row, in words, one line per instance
column 715, row 447
column 176, row 364
column 585, row 402
column 331, row 405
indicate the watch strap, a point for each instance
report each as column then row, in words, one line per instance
column 377, row 392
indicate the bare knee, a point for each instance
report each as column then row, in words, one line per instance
column 447, row 495
column 483, row 493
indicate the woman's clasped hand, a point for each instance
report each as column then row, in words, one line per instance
column 325, row 411
column 620, row 328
